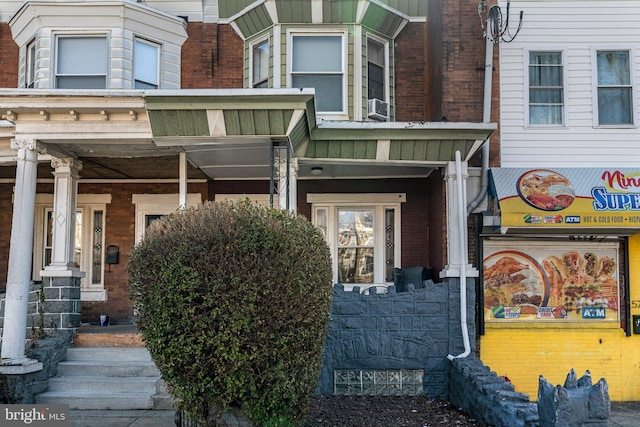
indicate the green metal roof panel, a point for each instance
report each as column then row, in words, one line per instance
column 299, row 134
column 294, row 11
column 428, row 150
column 409, row 7
column 257, row 122
column 179, row 123
column 254, row 21
column 227, row 9
column 381, row 20
column 343, row 11
column 347, row 149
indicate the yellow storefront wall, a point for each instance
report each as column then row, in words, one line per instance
column 524, row 351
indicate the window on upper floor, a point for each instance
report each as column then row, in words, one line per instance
column 30, row 71
column 376, row 70
column 260, row 64
column 81, row 62
column 614, row 90
column 146, row 60
column 317, row 61
column 546, row 88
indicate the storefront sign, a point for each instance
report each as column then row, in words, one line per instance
column 567, row 281
column 574, row 198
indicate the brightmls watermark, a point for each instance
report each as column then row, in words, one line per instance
column 34, row 415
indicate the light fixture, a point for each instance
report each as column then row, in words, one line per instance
column 316, row 170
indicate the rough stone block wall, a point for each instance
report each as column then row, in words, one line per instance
column 409, row 330
column 478, row 391
column 49, row 351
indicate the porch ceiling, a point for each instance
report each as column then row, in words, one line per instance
column 227, row 134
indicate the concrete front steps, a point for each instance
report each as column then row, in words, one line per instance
column 107, row 378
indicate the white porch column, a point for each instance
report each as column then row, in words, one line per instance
column 64, row 213
column 183, row 181
column 457, row 253
column 14, row 359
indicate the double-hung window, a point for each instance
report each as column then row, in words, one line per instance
column 146, row 59
column 363, row 234
column 81, row 62
column 30, row 71
column 614, row 90
column 317, row 61
column 546, row 88
column 260, row 64
column 376, row 70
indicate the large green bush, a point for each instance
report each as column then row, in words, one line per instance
column 233, row 303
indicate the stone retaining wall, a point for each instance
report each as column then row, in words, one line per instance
column 48, row 351
column 406, row 331
column 478, row 391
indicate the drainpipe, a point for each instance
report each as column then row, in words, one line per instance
column 486, row 118
column 462, row 261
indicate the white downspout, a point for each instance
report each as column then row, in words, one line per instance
column 486, row 118
column 462, row 260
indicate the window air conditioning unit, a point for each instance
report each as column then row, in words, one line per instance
column 378, row 110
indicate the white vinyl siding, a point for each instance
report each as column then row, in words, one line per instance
column 578, row 29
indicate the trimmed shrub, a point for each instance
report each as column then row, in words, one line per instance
column 233, row 304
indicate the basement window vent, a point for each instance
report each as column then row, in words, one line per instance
column 405, row 382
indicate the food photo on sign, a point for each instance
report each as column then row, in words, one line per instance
column 539, row 281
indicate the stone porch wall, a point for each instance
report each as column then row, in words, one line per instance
column 413, row 330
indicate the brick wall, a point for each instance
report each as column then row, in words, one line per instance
column 409, row 73
column 9, row 54
column 212, row 57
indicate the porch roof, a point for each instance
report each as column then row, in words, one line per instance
column 227, row 134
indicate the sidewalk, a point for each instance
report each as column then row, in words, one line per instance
column 142, row 418
column 623, row 414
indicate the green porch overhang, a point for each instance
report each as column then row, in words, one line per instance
column 229, row 134
column 387, row 17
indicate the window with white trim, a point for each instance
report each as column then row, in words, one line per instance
column 30, row 70
column 150, row 207
column 81, row 62
column 614, row 89
column 89, row 241
column 260, row 64
column 546, row 88
column 362, row 233
column 376, row 70
column 317, row 61
column 146, row 60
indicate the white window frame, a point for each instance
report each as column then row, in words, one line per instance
column 30, row 65
column 596, row 86
column 385, row 47
column 58, row 36
column 330, row 203
column 158, row 48
column 157, row 204
column 291, row 33
column 88, row 204
column 252, row 47
column 527, row 64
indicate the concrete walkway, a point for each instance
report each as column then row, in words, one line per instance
column 623, row 414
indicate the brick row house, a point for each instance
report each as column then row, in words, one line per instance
column 353, row 113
